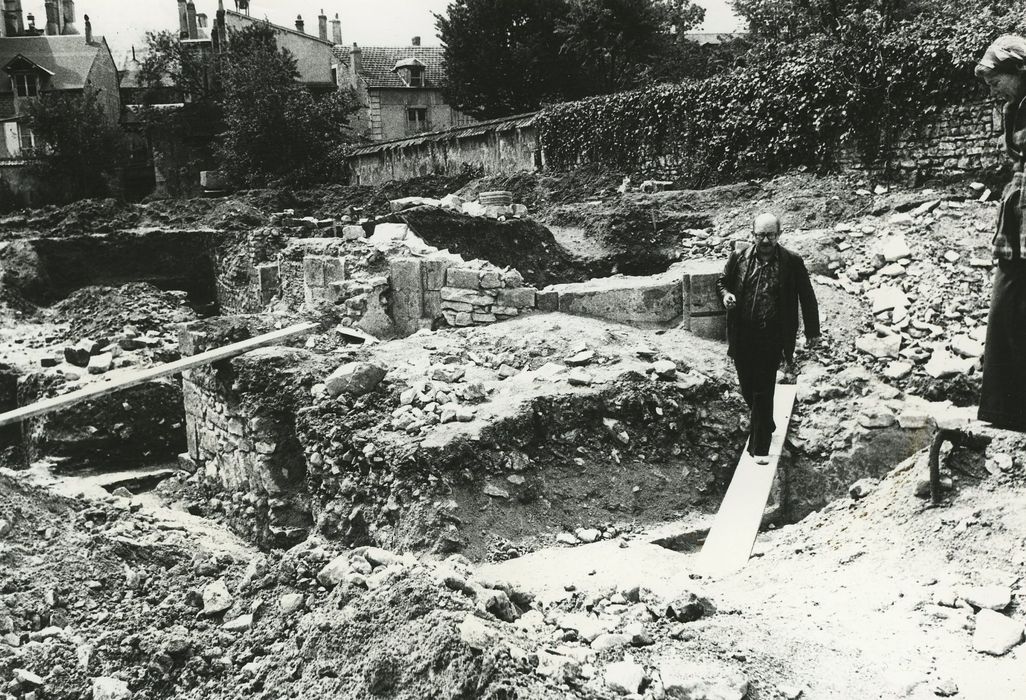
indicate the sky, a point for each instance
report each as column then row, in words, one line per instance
column 369, row 22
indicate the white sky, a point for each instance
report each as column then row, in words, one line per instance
column 368, row 22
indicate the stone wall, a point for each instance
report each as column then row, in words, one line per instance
column 684, row 294
column 964, row 137
column 498, row 147
column 427, row 290
column 244, row 453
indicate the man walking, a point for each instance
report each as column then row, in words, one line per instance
column 761, row 287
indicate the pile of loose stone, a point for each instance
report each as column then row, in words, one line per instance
column 928, row 303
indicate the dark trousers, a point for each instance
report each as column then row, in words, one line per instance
column 757, row 358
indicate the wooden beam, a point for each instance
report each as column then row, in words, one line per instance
column 142, row 376
column 732, row 536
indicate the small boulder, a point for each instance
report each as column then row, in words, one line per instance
column 995, row 633
column 990, row 597
column 107, row 688
column 334, row 572
column 216, row 598
column 354, row 378
column 625, row 677
column 476, row 633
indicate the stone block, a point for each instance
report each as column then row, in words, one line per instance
column 463, row 278
column 407, row 295
column 456, row 305
column 478, row 317
column 521, row 297
column 505, row 311
column 432, row 304
column 461, row 319
column 433, row 271
column 491, row 280
column 334, row 269
column 467, row 296
column 713, row 327
column 641, row 301
column 700, row 295
column 313, row 271
column 546, row 300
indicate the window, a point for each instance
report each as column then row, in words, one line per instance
column 416, row 119
column 26, row 140
column 416, row 76
column 25, row 85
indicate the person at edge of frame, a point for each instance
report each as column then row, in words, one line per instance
column 1003, row 391
column 761, row 287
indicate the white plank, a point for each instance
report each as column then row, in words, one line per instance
column 142, row 376
column 730, row 541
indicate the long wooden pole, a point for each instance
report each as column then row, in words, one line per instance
column 142, row 376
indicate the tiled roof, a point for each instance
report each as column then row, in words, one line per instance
column 378, row 61
column 69, row 58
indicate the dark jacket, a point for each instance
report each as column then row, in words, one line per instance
column 794, row 286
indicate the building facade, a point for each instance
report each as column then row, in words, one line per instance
column 399, row 90
column 58, row 58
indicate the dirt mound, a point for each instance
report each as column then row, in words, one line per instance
column 105, row 311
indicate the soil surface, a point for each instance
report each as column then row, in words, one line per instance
column 108, row 583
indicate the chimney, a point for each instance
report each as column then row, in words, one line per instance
column 66, row 21
column 190, row 9
column 356, row 60
column 183, row 20
column 322, row 26
column 31, row 23
column 89, row 29
column 336, row 30
column 13, row 22
column 415, row 41
column 300, row 24
column 52, row 22
column 201, row 20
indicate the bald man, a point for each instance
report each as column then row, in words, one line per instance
column 761, row 286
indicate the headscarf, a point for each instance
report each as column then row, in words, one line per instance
column 1006, row 55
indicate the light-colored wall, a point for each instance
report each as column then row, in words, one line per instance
column 392, row 103
column 500, row 152
column 313, row 56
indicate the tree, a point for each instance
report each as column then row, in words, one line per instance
column 169, row 62
column 503, row 56
column 274, row 127
column 616, row 44
column 509, row 56
column 81, row 149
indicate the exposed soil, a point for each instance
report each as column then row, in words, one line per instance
column 863, row 598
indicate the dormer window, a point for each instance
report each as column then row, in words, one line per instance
column 26, row 76
column 411, row 72
column 25, row 85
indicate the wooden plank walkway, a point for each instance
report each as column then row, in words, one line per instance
column 730, row 541
column 142, row 376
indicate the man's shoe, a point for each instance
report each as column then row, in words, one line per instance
column 762, row 459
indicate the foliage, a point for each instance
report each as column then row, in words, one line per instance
column 81, row 147
column 509, row 56
column 169, row 63
column 502, row 56
column 274, row 127
column 614, row 43
column 813, row 83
